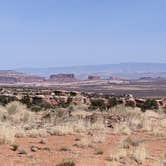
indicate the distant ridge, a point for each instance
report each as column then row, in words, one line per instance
column 121, row 69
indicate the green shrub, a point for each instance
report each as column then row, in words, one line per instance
column 57, row 93
column 64, row 104
column 130, row 103
column 37, row 101
column 98, row 103
column 112, row 102
column 150, row 104
column 26, row 100
column 7, row 99
column 73, row 94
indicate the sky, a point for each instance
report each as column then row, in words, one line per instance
column 53, row 33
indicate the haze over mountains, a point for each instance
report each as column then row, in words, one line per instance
column 127, row 70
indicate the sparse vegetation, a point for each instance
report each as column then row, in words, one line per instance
column 150, row 104
column 67, row 162
column 98, row 104
column 73, row 94
column 112, row 102
column 7, row 99
column 26, row 100
column 87, row 129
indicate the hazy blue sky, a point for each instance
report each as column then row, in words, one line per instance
column 43, row 33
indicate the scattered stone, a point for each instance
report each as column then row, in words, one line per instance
column 99, row 152
column 22, row 150
column 42, row 141
column 35, row 148
column 64, row 149
column 77, row 139
column 14, row 147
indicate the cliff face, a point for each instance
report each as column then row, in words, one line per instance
column 11, row 77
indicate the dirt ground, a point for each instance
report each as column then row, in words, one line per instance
column 52, row 150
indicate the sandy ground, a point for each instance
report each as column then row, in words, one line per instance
column 53, row 149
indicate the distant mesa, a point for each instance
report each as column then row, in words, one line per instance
column 12, row 77
column 63, row 77
column 93, row 77
column 8, row 80
column 114, row 78
column 145, row 78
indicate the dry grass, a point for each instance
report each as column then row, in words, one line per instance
column 150, row 121
column 67, row 162
column 25, row 122
column 13, row 118
column 34, row 133
column 118, row 154
column 91, row 139
column 85, row 142
column 122, row 128
column 139, row 154
column 127, row 151
column 76, row 126
column 7, row 134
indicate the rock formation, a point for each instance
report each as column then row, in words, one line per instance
column 62, row 77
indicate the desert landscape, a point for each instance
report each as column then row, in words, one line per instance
column 82, row 83
column 45, row 126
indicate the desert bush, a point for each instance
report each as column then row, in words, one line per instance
column 37, row 101
column 61, row 130
column 98, row 137
column 76, row 126
column 128, row 141
column 112, row 102
column 20, row 132
column 134, row 118
column 7, row 99
column 122, row 128
column 73, row 94
column 67, row 162
column 85, row 142
column 139, row 154
column 7, row 134
column 18, row 113
column 15, row 107
column 98, row 104
column 37, row 133
column 119, row 110
column 150, row 104
column 64, row 104
column 3, row 114
column 26, row 100
column 57, row 93
column 118, row 154
column 130, row 103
